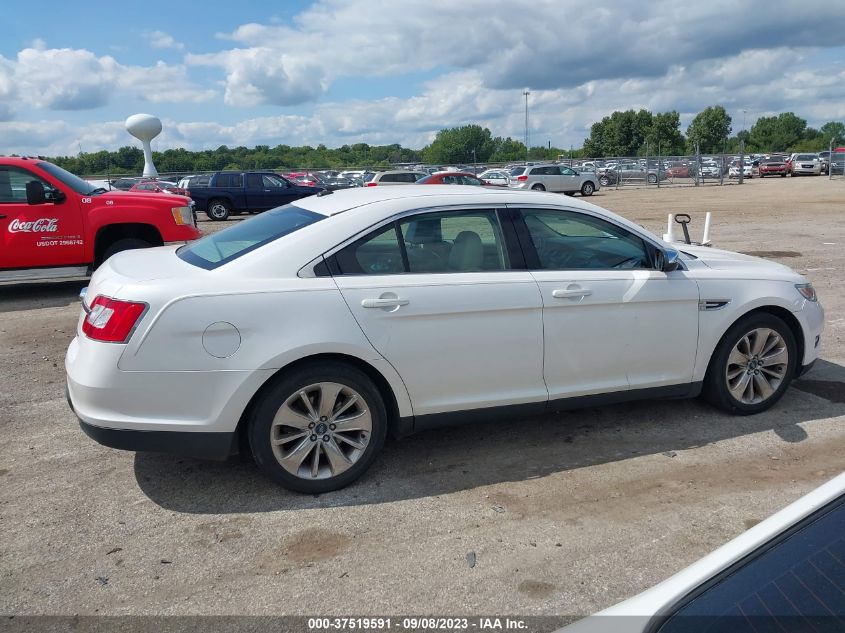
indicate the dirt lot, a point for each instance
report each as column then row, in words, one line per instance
column 562, row 515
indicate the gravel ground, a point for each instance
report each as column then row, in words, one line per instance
column 562, row 515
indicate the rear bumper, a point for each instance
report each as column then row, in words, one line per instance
column 217, row 446
column 202, row 445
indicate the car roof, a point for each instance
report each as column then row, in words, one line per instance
column 425, row 195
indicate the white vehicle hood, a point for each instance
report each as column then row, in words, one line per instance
column 743, row 266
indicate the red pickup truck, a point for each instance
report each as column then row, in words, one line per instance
column 54, row 225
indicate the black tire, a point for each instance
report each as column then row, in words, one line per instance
column 783, row 175
column 286, row 385
column 587, row 188
column 537, row 187
column 569, row 193
column 218, row 210
column 652, row 179
column 604, row 181
column 126, row 244
column 716, row 389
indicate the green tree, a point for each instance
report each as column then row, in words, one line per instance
column 778, row 133
column 507, row 149
column 664, row 135
column 456, row 145
column 710, row 128
column 833, row 132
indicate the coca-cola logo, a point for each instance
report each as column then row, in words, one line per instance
column 41, row 225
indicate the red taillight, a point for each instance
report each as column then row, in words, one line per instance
column 111, row 320
column 371, row 184
column 522, row 178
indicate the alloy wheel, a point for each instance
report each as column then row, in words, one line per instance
column 321, row 430
column 757, row 365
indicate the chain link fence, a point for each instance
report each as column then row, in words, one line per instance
column 618, row 172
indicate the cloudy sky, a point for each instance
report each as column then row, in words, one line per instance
column 382, row 71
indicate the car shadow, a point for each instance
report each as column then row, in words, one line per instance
column 465, row 457
column 43, row 295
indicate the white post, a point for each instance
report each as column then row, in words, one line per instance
column 705, row 240
column 669, row 236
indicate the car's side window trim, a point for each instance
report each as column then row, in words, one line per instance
column 513, row 249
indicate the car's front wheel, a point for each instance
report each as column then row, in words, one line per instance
column 587, row 189
column 318, row 428
column 752, row 366
column 604, row 181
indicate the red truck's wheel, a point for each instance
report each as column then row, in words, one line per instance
column 125, row 245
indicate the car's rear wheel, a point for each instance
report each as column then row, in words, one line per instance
column 538, row 187
column 587, row 189
column 652, row 178
column 604, row 181
column 752, row 366
column 218, row 210
column 318, row 428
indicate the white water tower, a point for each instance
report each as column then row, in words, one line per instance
column 145, row 127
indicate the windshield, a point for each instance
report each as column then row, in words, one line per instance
column 76, row 183
column 805, row 157
column 224, row 246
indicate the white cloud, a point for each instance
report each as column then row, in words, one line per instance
column 76, row 79
column 543, row 44
column 160, row 39
column 562, row 116
column 579, row 64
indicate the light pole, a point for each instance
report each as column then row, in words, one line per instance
column 743, row 119
column 526, row 92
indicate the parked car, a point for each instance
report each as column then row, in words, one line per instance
column 631, row 171
column 194, row 182
column 125, row 184
column 806, row 165
column 747, row 169
column 453, row 178
column 58, row 226
column 837, row 162
column 395, row 177
column 680, row 170
column 711, row 169
column 231, row 192
column 553, row 178
column 773, row 166
column 159, row 186
column 495, row 177
column 307, row 332
column 784, row 574
column 824, row 159
column 328, row 182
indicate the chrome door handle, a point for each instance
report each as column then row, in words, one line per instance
column 384, row 303
column 571, row 293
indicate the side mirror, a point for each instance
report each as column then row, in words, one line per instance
column 35, row 192
column 670, row 260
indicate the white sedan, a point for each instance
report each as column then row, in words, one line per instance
column 496, row 177
column 309, row 332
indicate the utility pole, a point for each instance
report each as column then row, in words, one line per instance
column 525, row 93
